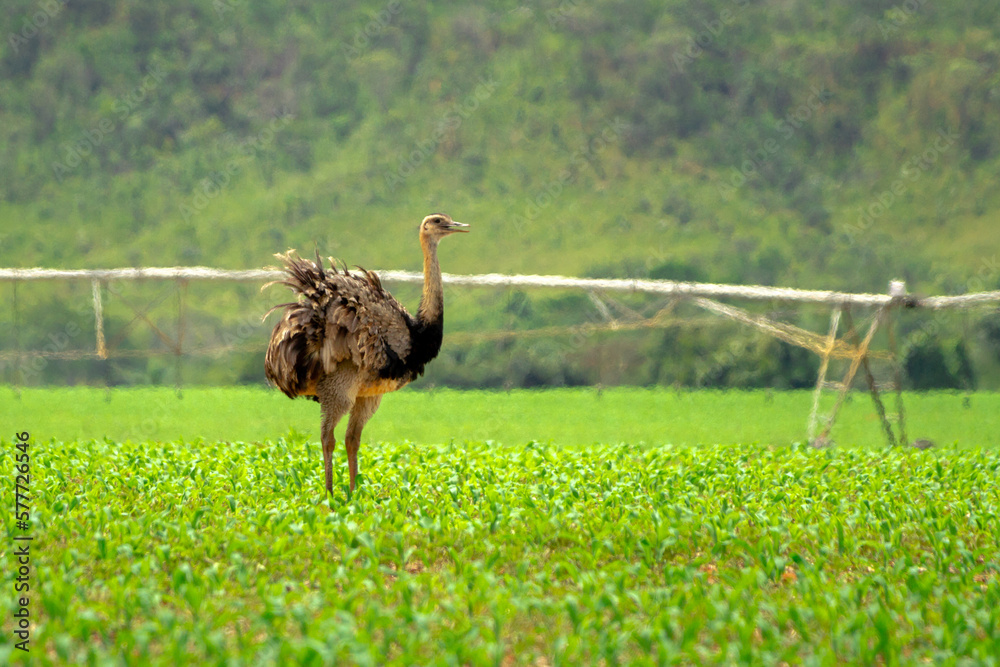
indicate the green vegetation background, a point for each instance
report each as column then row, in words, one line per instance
column 732, row 141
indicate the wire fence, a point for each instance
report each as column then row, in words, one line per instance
column 702, row 295
column 164, row 307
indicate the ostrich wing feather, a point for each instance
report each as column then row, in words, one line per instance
column 338, row 317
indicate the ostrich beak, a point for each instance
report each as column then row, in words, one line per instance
column 457, row 227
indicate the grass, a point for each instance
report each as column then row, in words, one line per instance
column 455, row 550
column 222, row 553
column 561, row 416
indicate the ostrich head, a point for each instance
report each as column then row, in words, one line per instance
column 438, row 225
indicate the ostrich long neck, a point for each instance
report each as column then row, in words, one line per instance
column 431, row 308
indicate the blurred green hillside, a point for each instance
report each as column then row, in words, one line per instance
column 727, row 140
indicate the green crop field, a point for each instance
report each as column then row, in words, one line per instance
column 489, row 528
column 569, row 417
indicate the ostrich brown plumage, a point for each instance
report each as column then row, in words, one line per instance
column 347, row 341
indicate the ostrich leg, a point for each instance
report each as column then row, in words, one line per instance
column 333, row 411
column 364, row 408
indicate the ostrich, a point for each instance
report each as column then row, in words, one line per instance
column 347, row 341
